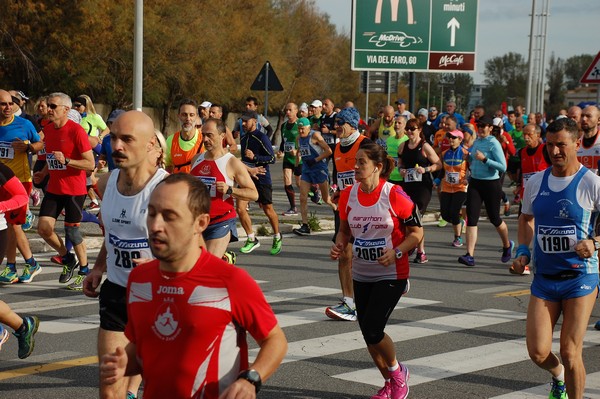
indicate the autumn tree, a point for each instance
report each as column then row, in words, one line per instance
column 505, row 76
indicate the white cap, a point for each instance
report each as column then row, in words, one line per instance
column 316, row 103
column 206, row 104
column 303, row 107
column 498, row 122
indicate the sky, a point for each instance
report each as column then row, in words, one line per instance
column 504, row 26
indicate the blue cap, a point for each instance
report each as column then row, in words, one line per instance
column 348, row 115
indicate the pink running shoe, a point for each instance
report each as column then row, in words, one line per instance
column 384, row 393
column 399, row 383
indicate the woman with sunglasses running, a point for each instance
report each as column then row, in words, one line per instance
column 417, row 160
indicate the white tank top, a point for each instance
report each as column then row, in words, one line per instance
column 126, row 233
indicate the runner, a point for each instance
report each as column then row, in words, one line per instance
column 287, row 150
column 187, row 142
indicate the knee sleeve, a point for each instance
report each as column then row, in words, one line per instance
column 373, row 337
column 73, row 234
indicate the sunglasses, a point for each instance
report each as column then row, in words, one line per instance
column 412, row 128
column 76, row 105
column 451, row 137
column 4, row 104
column 54, row 106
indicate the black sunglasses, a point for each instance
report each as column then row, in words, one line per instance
column 76, row 105
column 3, row 104
column 451, row 137
column 54, row 106
column 412, row 128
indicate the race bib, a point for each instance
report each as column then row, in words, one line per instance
column 413, row 176
column 289, row 146
column 369, row 250
column 6, row 150
column 395, row 162
column 556, row 239
column 304, row 151
column 53, row 163
column 127, row 250
column 329, row 138
column 452, row 177
column 42, row 151
column 211, row 185
column 382, row 143
column 345, row 179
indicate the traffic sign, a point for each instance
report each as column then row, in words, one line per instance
column 267, row 79
column 592, row 75
column 414, row 35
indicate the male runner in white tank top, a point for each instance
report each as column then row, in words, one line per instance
column 126, row 192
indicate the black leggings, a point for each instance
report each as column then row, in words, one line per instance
column 488, row 192
column 450, row 204
column 374, row 305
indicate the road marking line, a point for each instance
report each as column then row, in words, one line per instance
column 46, row 368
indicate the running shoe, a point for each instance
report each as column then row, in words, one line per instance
column 458, row 242
column 383, row 393
column 333, row 188
column 291, row 212
column 68, row 271
column 30, row 272
column 399, row 383
column 131, row 395
column 276, row 247
column 507, row 252
column 229, row 257
column 92, row 206
column 558, row 390
column 341, row 312
column 421, row 258
column 442, row 222
column 597, row 325
column 3, row 335
column 507, row 209
column 8, row 276
column 250, row 246
column 57, row 259
column 526, row 271
column 467, row 260
column 29, row 219
column 77, row 285
column 26, row 341
column 304, row 230
column 36, row 198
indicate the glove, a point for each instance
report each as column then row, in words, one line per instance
column 311, row 162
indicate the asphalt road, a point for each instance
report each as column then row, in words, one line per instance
column 459, row 330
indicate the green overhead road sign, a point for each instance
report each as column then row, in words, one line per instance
column 414, row 35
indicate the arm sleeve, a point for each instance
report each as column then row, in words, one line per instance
column 17, row 196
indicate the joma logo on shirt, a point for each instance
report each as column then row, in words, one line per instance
column 170, row 290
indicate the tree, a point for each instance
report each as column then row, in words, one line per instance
column 575, row 67
column 505, row 76
column 556, row 87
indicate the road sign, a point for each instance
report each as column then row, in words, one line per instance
column 592, row 75
column 414, row 35
column 379, row 82
column 267, row 77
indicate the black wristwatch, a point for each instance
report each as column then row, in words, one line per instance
column 229, row 190
column 596, row 243
column 252, row 377
column 29, row 149
column 67, row 160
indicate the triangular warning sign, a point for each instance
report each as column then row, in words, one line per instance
column 592, row 75
column 261, row 82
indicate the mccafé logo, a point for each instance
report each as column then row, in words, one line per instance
column 451, row 60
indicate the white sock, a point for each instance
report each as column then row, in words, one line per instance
column 561, row 375
column 278, row 236
column 395, row 367
column 349, row 301
column 251, row 236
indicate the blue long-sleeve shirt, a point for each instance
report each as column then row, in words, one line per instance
column 260, row 145
column 496, row 162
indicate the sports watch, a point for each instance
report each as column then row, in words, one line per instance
column 398, row 253
column 229, row 190
column 252, row 377
column 596, row 243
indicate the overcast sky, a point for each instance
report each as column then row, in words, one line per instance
column 504, row 26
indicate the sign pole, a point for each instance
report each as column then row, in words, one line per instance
column 367, row 104
column 267, row 90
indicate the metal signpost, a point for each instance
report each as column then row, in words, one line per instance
column 414, row 35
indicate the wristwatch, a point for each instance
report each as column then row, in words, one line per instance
column 596, row 243
column 398, row 253
column 252, row 377
column 229, row 190
column 67, row 160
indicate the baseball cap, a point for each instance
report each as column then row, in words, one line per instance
column 498, row 122
column 486, row 120
column 303, row 122
column 423, row 112
column 303, row 107
column 400, row 101
column 432, row 109
column 206, row 104
column 348, row 115
column 457, row 133
column 246, row 115
column 316, row 103
column 114, row 114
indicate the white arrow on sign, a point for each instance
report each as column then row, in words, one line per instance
column 453, row 24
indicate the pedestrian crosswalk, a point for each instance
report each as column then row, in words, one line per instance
column 343, row 339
